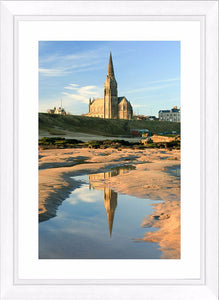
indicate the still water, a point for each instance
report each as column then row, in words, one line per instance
column 96, row 222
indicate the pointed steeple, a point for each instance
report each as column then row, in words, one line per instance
column 110, row 71
column 110, row 93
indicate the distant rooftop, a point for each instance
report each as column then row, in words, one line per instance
column 174, row 109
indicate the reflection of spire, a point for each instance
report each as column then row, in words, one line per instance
column 110, row 197
column 110, row 203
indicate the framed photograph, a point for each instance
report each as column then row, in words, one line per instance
column 109, row 149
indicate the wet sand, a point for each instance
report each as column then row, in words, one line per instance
column 152, row 178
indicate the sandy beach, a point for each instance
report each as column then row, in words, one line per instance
column 153, row 177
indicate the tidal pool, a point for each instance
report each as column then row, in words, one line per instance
column 95, row 222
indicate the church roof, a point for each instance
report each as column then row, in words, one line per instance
column 121, row 98
column 97, row 100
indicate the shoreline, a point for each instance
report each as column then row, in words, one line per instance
column 150, row 179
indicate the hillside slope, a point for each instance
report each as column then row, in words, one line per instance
column 61, row 125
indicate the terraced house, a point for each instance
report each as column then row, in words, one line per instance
column 171, row 115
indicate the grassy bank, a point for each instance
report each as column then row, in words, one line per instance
column 59, row 125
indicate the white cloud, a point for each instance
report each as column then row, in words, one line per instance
column 83, row 93
column 85, row 195
column 156, row 85
column 49, row 59
column 164, row 80
column 76, row 97
column 60, row 65
column 62, row 69
column 49, row 103
column 150, row 88
column 139, row 105
column 57, row 64
column 52, row 72
column 82, row 56
column 88, row 90
column 70, row 88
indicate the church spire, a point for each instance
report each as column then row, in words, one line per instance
column 110, row 93
column 110, row 72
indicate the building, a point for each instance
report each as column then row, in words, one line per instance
column 142, row 117
column 57, row 111
column 151, row 118
column 111, row 106
column 140, row 132
column 172, row 115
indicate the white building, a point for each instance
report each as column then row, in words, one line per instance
column 57, row 111
column 172, row 115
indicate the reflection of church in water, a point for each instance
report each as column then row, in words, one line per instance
column 97, row 181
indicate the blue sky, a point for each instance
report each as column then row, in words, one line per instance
column 147, row 73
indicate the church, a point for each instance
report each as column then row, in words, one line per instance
column 111, row 106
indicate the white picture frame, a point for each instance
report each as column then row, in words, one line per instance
column 206, row 12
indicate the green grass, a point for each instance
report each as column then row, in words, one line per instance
column 54, row 131
column 60, row 124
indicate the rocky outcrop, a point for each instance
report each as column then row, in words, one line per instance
column 160, row 139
